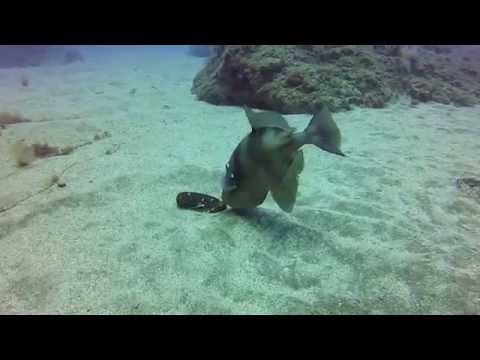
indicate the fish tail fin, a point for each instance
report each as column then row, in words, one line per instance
column 324, row 133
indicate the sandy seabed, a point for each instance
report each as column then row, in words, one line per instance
column 382, row 231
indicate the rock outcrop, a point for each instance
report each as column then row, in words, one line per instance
column 299, row 78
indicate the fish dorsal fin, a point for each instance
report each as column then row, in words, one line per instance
column 265, row 119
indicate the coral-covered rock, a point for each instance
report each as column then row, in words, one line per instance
column 37, row 55
column 299, row 78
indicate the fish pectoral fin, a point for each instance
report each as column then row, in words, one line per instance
column 285, row 193
column 298, row 163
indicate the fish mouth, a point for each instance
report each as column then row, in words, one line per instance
column 228, row 185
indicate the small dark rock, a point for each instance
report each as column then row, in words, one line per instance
column 72, row 56
column 470, row 72
column 102, row 135
column 470, row 182
column 470, row 186
column 24, row 81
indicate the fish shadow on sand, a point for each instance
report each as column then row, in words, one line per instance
column 280, row 230
column 288, row 236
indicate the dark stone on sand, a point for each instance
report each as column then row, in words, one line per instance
column 469, row 186
column 199, row 202
column 11, row 118
column 73, row 55
column 300, row 78
column 37, row 55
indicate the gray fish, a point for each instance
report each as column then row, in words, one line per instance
column 270, row 159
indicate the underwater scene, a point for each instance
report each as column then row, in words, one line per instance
column 240, row 179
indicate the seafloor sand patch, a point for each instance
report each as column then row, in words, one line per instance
column 381, row 231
